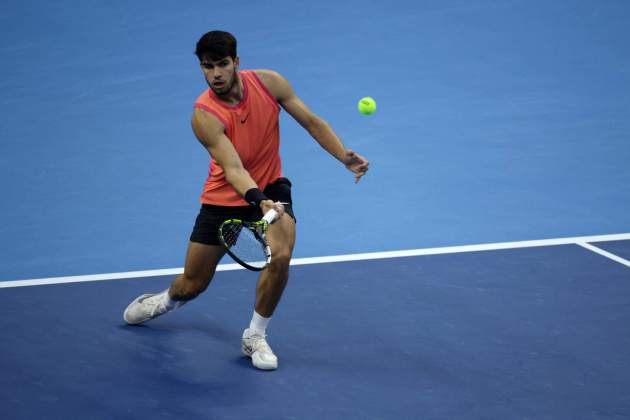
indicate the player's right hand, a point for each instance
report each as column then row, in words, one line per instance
column 267, row 205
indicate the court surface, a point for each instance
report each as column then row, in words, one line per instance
column 502, row 129
column 537, row 332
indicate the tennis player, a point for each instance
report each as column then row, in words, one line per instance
column 236, row 121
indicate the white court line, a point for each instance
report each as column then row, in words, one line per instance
column 580, row 240
column 604, row 253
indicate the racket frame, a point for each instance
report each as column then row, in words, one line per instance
column 259, row 229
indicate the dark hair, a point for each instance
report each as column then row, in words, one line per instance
column 216, row 45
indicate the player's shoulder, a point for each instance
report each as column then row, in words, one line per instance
column 274, row 81
column 206, row 117
column 268, row 75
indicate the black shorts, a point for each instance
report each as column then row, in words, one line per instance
column 206, row 230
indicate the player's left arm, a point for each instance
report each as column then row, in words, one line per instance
column 317, row 127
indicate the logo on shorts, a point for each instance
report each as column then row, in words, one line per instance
column 245, row 119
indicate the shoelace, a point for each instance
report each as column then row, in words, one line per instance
column 259, row 343
column 154, row 304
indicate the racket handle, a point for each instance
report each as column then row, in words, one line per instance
column 270, row 216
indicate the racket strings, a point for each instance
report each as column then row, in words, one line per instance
column 230, row 234
column 245, row 244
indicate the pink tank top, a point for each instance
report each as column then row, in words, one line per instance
column 253, row 128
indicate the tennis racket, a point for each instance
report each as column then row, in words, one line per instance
column 246, row 242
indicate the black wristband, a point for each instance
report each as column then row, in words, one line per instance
column 254, row 196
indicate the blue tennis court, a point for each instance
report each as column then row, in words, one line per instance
column 480, row 270
column 520, row 333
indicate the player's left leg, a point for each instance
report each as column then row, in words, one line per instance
column 271, row 284
column 272, row 280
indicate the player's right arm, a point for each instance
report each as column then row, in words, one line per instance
column 211, row 134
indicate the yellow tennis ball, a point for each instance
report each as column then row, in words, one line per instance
column 367, row 106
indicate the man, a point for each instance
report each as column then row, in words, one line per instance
column 236, row 120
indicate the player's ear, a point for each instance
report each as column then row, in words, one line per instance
column 237, row 62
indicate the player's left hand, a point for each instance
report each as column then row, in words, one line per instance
column 356, row 164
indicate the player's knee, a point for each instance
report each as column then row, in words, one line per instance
column 280, row 260
column 192, row 286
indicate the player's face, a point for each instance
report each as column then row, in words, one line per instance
column 220, row 74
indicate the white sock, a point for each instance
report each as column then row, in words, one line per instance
column 259, row 323
column 169, row 303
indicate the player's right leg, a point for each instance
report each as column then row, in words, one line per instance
column 201, row 263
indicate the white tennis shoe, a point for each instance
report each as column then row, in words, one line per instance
column 144, row 308
column 254, row 345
